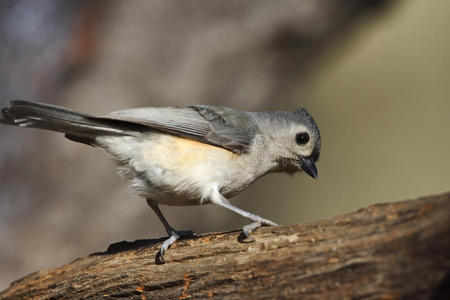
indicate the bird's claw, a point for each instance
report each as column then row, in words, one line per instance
column 176, row 235
column 247, row 229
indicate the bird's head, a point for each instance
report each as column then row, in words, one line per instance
column 293, row 140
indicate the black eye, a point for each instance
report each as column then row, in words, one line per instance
column 302, row 138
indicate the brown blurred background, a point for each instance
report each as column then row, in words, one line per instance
column 374, row 74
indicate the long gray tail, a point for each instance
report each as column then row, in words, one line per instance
column 76, row 126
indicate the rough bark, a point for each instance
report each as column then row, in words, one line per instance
column 385, row 251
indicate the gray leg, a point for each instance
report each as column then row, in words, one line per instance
column 173, row 234
column 247, row 229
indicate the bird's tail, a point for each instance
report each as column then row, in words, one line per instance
column 76, row 126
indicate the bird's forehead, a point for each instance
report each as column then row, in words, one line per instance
column 298, row 127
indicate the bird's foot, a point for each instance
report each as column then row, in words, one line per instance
column 176, row 235
column 247, row 229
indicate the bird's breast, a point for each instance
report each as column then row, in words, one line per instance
column 179, row 171
column 185, row 155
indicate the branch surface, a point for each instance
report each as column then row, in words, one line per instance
column 385, row 251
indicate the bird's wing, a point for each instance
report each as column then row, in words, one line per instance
column 220, row 126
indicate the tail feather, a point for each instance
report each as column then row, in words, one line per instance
column 77, row 126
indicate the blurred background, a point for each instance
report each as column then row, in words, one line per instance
column 374, row 74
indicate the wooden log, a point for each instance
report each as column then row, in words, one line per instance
column 385, row 251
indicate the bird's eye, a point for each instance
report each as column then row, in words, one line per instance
column 302, row 138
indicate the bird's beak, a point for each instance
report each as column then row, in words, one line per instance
column 308, row 165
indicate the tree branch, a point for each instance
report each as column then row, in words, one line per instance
column 385, row 251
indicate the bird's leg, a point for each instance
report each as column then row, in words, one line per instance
column 173, row 234
column 247, row 229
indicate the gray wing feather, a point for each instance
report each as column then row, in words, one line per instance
column 183, row 120
column 231, row 128
column 220, row 126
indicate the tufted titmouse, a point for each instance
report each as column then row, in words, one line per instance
column 187, row 155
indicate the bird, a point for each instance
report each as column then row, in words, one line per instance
column 192, row 155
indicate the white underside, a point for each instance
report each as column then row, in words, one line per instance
column 178, row 171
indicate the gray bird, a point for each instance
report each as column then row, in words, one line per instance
column 191, row 155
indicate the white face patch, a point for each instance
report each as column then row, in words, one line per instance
column 292, row 145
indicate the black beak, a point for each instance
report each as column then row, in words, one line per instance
column 308, row 165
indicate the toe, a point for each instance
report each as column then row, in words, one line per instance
column 166, row 244
column 247, row 229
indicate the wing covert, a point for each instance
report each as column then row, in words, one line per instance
column 220, row 126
